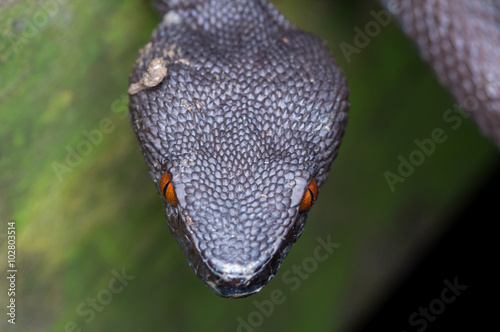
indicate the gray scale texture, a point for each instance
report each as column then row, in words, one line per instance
column 250, row 111
column 461, row 40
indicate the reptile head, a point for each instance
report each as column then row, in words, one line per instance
column 237, row 117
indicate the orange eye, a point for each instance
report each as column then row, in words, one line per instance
column 310, row 196
column 167, row 189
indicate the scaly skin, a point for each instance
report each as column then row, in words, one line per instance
column 243, row 110
column 461, row 41
column 248, row 111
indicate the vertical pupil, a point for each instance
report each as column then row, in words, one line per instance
column 165, row 189
column 313, row 199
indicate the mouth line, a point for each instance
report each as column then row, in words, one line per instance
column 232, row 280
column 234, row 292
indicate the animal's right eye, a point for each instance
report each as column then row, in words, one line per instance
column 310, row 196
column 167, row 189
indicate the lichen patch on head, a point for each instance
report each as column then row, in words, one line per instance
column 172, row 52
column 157, row 71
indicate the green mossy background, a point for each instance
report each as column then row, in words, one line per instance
column 64, row 69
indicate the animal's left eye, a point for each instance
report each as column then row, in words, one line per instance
column 167, row 189
column 310, row 196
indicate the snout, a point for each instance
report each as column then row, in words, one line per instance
column 233, row 280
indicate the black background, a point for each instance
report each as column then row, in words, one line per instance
column 468, row 251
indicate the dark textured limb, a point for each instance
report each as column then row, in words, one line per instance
column 461, row 41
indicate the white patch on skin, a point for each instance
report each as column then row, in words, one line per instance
column 171, row 18
column 298, row 191
column 232, row 269
column 157, row 71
